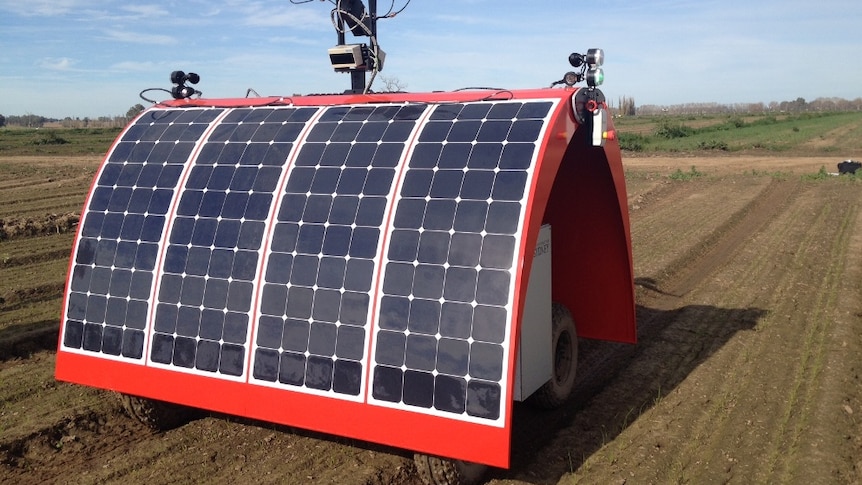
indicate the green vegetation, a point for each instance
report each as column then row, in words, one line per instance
column 50, row 138
column 680, row 175
column 56, row 141
column 824, row 174
column 671, row 129
column 777, row 174
column 821, row 174
column 802, row 133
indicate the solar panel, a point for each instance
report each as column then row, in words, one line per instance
column 361, row 254
column 112, row 274
column 442, row 340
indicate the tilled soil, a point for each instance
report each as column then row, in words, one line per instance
column 747, row 370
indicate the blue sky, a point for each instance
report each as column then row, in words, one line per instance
column 91, row 58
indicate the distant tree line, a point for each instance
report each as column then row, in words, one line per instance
column 626, row 107
column 36, row 121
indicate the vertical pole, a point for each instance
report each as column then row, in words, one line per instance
column 372, row 11
column 357, row 77
column 357, row 81
column 340, row 23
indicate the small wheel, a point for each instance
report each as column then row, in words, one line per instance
column 157, row 415
column 564, row 345
column 441, row 471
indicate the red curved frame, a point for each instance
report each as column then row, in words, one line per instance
column 576, row 187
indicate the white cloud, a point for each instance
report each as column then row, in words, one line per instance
column 139, row 38
column 292, row 39
column 444, row 19
column 57, row 63
column 301, row 20
column 146, row 10
column 135, row 66
column 43, row 8
column 257, row 14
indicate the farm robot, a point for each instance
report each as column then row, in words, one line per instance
column 391, row 267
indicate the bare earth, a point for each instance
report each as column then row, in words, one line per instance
column 749, row 293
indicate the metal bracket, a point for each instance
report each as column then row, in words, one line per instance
column 590, row 110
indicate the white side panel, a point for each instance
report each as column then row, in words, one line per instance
column 534, row 353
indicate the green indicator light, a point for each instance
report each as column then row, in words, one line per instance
column 595, row 77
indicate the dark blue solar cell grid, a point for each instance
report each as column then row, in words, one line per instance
column 315, row 302
column 448, row 274
column 211, row 260
column 112, row 272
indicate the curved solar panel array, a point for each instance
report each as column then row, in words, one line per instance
column 365, row 253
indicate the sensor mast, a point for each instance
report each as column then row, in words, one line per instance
column 356, row 59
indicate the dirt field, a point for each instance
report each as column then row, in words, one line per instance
column 749, row 287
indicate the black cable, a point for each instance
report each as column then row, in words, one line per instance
column 390, row 13
column 493, row 96
column 340, row 13
column 391, row 6
column 479, row 88
column 141, row 94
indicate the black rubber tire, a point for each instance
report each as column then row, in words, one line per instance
column 442, row 471
column 157, row 415
column 564, row 348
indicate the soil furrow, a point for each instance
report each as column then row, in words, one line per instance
column 27, row 183
column 739, row 387
column 723, row 395
column 37, row 211
column 33, row 246
column 11, row 203
column 810, row 366
column 93, row 434
column 696, row 211
column 21, row 341
column 690, row 269
column 798, row 377
column 645, row 191
column 12, row 300
column 35, row 257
